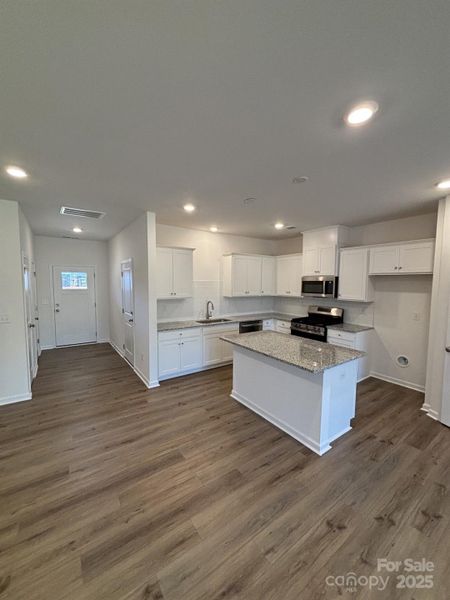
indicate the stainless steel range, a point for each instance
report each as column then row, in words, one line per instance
column 314, row 326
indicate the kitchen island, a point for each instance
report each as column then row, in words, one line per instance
column 304, row 387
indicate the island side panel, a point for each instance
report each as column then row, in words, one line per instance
column 339, row 400
column 288, row 397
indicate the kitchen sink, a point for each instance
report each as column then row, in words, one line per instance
column 205, row 321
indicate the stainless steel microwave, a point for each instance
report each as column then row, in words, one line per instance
column 320, row 286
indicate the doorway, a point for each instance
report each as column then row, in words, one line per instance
column 74, row 305
column 31, row 316
column 126, row 276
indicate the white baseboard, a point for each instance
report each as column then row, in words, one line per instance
column 149, row 384
column 433, row 414
column 13, row 399
column 49, row 347
column 303, row 439
column 401, row 382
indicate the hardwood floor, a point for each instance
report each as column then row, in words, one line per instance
column 111, row 491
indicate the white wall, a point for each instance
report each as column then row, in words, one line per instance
column 397, row 230
column 209, row 249
column 51, row 251
column 137, row 241
column 14, row 381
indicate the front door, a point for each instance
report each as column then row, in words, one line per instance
column 126, row 273
column 75, row 307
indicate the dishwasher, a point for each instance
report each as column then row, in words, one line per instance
column 249, row 326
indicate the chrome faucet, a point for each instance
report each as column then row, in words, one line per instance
column 208, row 309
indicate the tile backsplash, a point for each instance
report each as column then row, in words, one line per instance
column 195, row 307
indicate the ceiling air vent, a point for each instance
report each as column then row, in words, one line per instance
column 81, row 212
column 290, row 227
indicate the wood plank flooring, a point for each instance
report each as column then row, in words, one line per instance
column 110, row 491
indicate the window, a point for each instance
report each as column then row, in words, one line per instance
column 74, row 280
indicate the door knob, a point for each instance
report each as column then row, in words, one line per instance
column 130, row 320
column 56, row 309
column 30, row 325
column 447, row 349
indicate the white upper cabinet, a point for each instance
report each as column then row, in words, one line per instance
column 384, row 260
column 400, row 259
column 254, row 275
column 354, row 283
column 174, row 273
column 289, row 275
column 242, row 275
column 321, row 250
column 268, row 276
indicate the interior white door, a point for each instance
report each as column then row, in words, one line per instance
column 126, row 275
column 75, row 309
column 28, row 276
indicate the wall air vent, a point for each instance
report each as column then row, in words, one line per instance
column 81, row 212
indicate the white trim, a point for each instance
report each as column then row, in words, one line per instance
column 142, row 377
column 401, row 382
column 47, row 347
column 13, row 399
column 192, row 371
column 303, row 439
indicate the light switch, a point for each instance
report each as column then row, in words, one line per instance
column 4, row 318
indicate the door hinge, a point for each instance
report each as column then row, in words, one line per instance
column 38, row 341
column 123, row 311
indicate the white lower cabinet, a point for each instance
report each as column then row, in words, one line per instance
column 283, row 326
column 183, row 351
column 356, row 341
column 179, row 351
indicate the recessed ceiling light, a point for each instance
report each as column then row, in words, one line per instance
column 214, row 229
column 361, row 113
column 189, row 207
column 279, row 225
column 16, row 172
column 444, row 185
column 77, row 230
column 300, row 179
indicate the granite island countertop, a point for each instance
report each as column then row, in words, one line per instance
column 171, row 325
column 309, row 355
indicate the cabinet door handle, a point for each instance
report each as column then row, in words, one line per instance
column 400, row 268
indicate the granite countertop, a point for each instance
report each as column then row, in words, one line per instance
column 170, row 325
column 309, row 355
column 350, row 328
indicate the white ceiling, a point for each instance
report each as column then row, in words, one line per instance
column 125, row 106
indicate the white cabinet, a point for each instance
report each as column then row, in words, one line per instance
column 354, row 283
column 320, row 261
column 356, row 341
column 283, row 326
column 402, row 259
column 174, row 273
column 289, row 275
column 268, row 276
column 241, row 275
column 248, row 275
column 179, row 351
column 216, row 351
column 384, row 260
column 321, row 250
